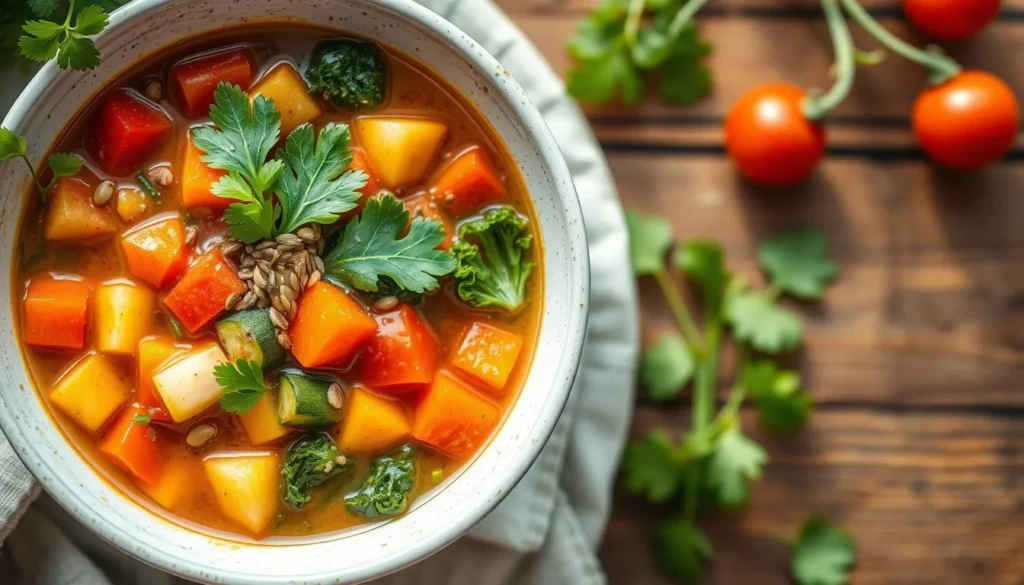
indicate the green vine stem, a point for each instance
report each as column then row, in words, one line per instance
column 941, row 67
column 817, row 106
column 682, row 18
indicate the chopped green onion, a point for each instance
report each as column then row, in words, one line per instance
column 147, row 186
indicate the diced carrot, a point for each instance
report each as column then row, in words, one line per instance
column 196, row 78
column 452, row 418
column 359, row 163
column 371, row 423
column 201, row 294
column 56, row 312
column 133, row 446
column 423, row 205
column 71, row 214
column 153, row 352
column 198, row 179
column 90, row 392
column 128, row 129
column 156, row 251
column 488, row 354
column 402, row 355
column 468, row 182
column 330, row 327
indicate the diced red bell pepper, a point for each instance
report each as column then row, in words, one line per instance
column 196, row 78
column 467, row 183
column 133, row 445
column 201, row 294
column 403, row 354
column 128, row 129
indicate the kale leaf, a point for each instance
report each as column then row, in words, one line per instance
column 494, row 272
column 310, row 461
column 351, row 74
column 386, row 490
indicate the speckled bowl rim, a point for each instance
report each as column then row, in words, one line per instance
column 117, row 520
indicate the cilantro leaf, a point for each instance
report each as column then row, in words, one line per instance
column 822, row 554
column 736, row 461
column 649, row 240
column 64, row 165
column 782, row 405
column 797, row 262
column 78, row 53
column 681, row 549
column 594, row 38
column 604, row 78
column 43, row 8
column 70, row 44
column 42, row 44
column 686, row 78
column 666, row 367
column 315, row 187
column 703, row 262
column 12, row 145
column 762, row 324
column 243, row 385
column 371, row 248
column 649, row 467
column 90, row 21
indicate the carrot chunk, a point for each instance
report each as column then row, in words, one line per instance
column 196, row 78
column 128, row 129
column 153, row 352
column 468, row 182
column 330, row 327
column 71, row 214
column 452, row 418
column 422, row 205
column 201, row 294
column 488, row 354
column 56, row 312
column 198, row 179
column 402, row 355
column 133, row 446
column 156, row 252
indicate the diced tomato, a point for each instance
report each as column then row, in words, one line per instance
column 196, row 78
column 422, row 205
column 468, row 182
column 128, row 129
column 198, row 179
column 329, row 327
column 156, row 252
column 56, row 312
column 488, row 354
column 201, row 294
column 359, row 163
column 452, row 418
column 133, row 446
column 402, row 355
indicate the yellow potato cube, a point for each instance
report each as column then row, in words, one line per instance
column 90, row 392
column 124, row 315
column 246, row 485
column 400, row 150
column 261, row 423
column 371, row 423
column 285, row 86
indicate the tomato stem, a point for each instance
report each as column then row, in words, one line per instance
column 942, row 67
column 817, row 106
column 682, row 18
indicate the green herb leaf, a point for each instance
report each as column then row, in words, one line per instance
column 703, row 262
column 736, row 461
column 315, row 187
column 243, row 385
column 822, row 554
column 681, row 549
column 603, row 79
column 594, row 38
column 43, row 8
column 798, row 263
column 12, row 145
column 666, row 367
column 783, row 406
column 762, row 324
column 371, row 248
column 650, row 237
column 649, row 467
column 141, row 419
column 64, row 165
column 91, row 21
column 42, row 41
column 686, row 79
column 78, row 53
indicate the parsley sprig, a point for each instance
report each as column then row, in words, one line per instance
column 13, row 146
column 822, row 554
column 243, row 385
column 69, row 42
column 715, row 462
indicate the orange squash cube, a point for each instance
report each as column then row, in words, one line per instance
column 71, row 214
column 329, row 327
column 452, row 418
column 198, row 178
column 56, row 312
column 488, row 354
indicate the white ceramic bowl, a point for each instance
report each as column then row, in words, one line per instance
column 437, row 518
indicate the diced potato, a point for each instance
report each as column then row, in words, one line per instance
column 176, row 479
column 131, row 204
column 401, row 150
column 187, row 386
column 90, row 392
column 261, row 423
column 72, row 215
column 285, row 86
column 124, row 315
column 372, row 423
column 246, row 485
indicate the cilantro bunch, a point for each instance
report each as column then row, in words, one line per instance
column 69, row 42
column 715, row 463
column 624, row 44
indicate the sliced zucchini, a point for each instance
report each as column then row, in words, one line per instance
column 304, row 400
column 249, row 335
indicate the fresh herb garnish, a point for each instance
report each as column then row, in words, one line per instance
column 141, row 419
column 822, row 554
column 61, row 164
column 492, row 268
column 69, row 42
column 372, row 248
column 147, row 186
column 243, row 385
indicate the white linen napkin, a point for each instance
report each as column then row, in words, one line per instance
column 547, row 530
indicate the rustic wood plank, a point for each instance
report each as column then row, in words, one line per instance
column 930, row 498
column 519, row 8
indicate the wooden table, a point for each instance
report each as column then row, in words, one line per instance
column 916, row 357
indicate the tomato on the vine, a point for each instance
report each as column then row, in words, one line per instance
column 770, row 139
column 968, row 122
column 951, row 19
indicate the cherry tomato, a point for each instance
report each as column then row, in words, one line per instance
column 951, row 20
column 968, row 122
column 768, row 137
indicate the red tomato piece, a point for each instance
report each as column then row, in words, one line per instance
column 128, row 129
column 402, row 355
column 201, row 294
column 951, row 20
column 197, row 78
column 133, row 446
column 468, row 182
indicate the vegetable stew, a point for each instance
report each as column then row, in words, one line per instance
column 293, row 286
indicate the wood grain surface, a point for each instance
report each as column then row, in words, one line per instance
column 916, row 356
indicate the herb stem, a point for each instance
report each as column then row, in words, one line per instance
column 633, row 18
column 817, row 106
column 43, row 190
column 683, row 18
column 703, row 404
column 71, row 12
column 942, row 68
column 679, row 309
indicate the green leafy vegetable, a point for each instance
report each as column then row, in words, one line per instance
column 491, row 266
column 782, row 405
column 822, row 554
column 243, row 385
column 351, row 74
column 13, row 146
column 797, row 262
column 309, row 462
column 649, row 467
column 372, row 248
column 666, row 367
column 681, row 549
column 386, row 491
column 736, row 461
column 703, row 262
column 650, row 238
column 68, row 42
column 758, row 321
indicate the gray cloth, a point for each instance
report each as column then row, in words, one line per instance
column 546, row 531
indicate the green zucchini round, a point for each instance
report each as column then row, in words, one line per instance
column 250, row 335
column 302, row 401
